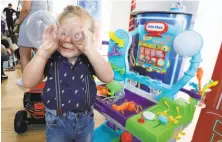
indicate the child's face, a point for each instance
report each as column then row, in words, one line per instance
column 66, row 46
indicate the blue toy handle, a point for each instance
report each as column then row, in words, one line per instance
column 195, row 62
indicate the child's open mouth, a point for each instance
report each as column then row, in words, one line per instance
column 67, row 49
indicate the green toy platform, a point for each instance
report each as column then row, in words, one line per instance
column 162, row 133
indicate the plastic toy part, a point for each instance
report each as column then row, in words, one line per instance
column 102, row 90
column 198, row 87
column 162, row 133
column 39, row 106
column 185, row 48
column 164, row 113
column 113, row 37
column 162, row 120
column 178, row 113
column 115, row 52
column 194, row 86
column 141, row 120
column 115, row 68
column 147, row 115
column 112, row 99
column 177, row 133
column 130, row 106
column 207, row 86
column 114, row 87
column 126, row 137
column 178, row 7
column 199, row 75
column 176, row 136
column 173, row 120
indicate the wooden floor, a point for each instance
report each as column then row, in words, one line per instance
column 11, row 101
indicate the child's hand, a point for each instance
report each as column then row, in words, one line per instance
column 82, row 39
column 50, row 39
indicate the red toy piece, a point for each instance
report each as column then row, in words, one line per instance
column 141, row 120
column 32, row 102
column 126, row 137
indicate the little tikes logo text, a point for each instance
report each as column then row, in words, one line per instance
column 156, row 28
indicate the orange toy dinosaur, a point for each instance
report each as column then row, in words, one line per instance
column 130, row 106
column 102, row 90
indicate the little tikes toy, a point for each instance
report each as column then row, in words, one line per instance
column 126, row 137
column 102, row 90
column 130, row 106
column 33, row 105
column 114, row 87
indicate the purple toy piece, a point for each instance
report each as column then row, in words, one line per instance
column 119, row 117
column 191, row 94
column 105, row 42
column 115, row 52
column 111, row 125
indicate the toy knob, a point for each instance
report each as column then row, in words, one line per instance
column 163, row 119
column 126, row 137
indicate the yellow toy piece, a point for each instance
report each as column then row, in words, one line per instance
column 181, row 132
column 176, row 136
column 208, row 86
column 178, row 112
column 164, row 113
column 173, row 120
column 113, row 37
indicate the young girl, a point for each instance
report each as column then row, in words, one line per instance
column 69, row 62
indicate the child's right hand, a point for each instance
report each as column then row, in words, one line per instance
column 50, row 39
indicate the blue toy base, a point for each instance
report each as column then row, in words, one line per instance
column 105, row 134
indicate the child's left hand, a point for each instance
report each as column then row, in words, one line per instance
column 83, row 39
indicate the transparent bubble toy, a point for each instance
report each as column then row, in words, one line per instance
column 37, row 23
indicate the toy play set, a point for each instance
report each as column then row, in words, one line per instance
column 140, row 104
column 34, row 112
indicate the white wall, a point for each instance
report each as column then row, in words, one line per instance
column 159, row 5
column 209, row 24
column 120, row 14
column 121, row 10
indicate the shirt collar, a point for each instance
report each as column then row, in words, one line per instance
column 62, row 59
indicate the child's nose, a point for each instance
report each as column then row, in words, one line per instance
column 67, row 39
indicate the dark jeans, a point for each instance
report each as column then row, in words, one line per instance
column 10, row 25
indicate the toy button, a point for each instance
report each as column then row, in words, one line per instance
column 141, row 120
column 148, row 115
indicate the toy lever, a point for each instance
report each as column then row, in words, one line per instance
column 157, row 125
column 191, row 94
column 199, row 75
column 162, row 120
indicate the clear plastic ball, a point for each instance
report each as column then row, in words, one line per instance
column 37, row 23
column 188, row 43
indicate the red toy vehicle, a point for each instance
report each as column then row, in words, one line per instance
column 32, row 102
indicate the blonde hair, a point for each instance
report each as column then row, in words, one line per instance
column 81, row 13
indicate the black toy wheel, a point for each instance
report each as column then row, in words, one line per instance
column 20, row 125
column 26, row 99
